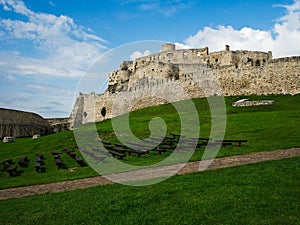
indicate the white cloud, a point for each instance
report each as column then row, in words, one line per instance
column 54, row 46
column 17, row 6
column 138, row 54
column 282, row 40
column 63, row 47
column 216, row 39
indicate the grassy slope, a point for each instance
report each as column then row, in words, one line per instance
column 263, row 193
column 44, row 145
column 266, row 128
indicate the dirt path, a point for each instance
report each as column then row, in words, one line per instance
column 148, row 173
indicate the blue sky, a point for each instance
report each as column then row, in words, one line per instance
column 47, row 46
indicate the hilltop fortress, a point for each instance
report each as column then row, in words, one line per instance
column 172, row 75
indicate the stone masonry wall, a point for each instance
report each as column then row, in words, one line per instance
column 195, row 74
column 279, row 76
column 59, row 124
column 22, row 124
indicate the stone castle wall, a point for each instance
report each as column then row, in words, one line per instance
column 59, row 124
column 22, row 124
column 279, row 76
column 164, row 77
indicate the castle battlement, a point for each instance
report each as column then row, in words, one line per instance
column 173, row 63
column 196, row 71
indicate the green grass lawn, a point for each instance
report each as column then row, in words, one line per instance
column 266, row 128
column 44, row 145
column 262, row 193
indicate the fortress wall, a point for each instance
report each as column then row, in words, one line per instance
column 22, row 124
column 150, row 93
column 286, row 75
column 104, row 104
column 154, row 70
column 192, row 69
column 118, row 76
column 77, row 112
column 177, row 56
column 53, row 121
column 220, row 58
column 189, row 74
column 273, row 78
column 238, row 58
column 84, row 110
column 89, row 108
column 59, row 124
column 198, row 80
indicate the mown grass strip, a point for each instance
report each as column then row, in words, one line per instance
column 262, row 193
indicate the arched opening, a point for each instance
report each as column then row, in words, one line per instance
column 103, row 111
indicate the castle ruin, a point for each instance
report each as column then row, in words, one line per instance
column 18, row 123
column 147, row 81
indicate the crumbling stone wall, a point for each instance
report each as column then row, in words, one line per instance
column 279, row 76
column 173, row 75
column 59, row 124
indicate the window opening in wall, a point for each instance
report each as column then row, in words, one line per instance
column 257, row 63
column 103, row 111
column 198, row 54
column 185, row 54
column 216, row 60
column 85, row 114
column 170, row 55
column 153, row 70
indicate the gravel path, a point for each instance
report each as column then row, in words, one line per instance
column 148, row 173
